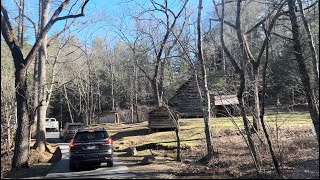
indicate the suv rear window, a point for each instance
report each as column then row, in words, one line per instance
column 89, row 136
column 74, row 127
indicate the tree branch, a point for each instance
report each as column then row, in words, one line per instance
column 265, row 42
column 46, row 29
column 258, row 23
column 7, row 30
column 316, row 2
column 226, row 22
column 281, row 36
column 225, row 49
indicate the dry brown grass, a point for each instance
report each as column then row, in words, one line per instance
column 294, row 142
column 39, row 164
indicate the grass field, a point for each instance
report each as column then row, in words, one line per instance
column 192, row 130
column 292, row 136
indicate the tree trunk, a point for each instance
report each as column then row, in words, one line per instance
column 312, row 104
column 66, row 96
column 36, row 84
column 21, row 150
column 22, row 139
column 40, row 144
column 22, row 143
column 136, row 92
column 112, row 87
column 20, row 23
column 273, row 156
column 253, row 76
column 99, row 98
column 91, row 103
column 206, row 97
column 242, row 87
column 246, row 123
column 256, row 115
column 178, row 143
column 132, row 82
column 156, row 92
column 315, row 64
column 88, row 105
column 132, row 112
column 61, row 103
column 8, row 135
column 35, row 99
column 240, row 71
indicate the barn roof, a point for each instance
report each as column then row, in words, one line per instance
column 225, row 100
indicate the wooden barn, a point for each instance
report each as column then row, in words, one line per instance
column 187, row 101
column 108, row 117
column 225, row 104
column 162, row 118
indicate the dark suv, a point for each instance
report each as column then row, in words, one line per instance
column 90, row 147
column 69, row 131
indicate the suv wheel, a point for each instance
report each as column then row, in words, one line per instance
column 110, row 163
column 72, row 166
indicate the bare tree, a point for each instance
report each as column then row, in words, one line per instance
column 239, row 70
column 304, row 76
column 164, row 48
column 20, row 24
column 40, row 144
column 21, row 64
column 315, row 60
column 206, row 97
column 34, row 121
column 264, row 86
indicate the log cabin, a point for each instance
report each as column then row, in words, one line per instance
column 162, row 117
column 188, row 104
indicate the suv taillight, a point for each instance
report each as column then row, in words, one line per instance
column 109, row 141
column 71, row 144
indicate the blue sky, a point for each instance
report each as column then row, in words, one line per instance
column 109, row 12
column 114, row 9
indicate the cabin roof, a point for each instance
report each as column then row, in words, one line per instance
column 225, row 100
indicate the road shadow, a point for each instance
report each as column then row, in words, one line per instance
column 304, row 169
column 54, row 140
column 137, row 132
column 86, row 167
column 177, row 175
column 61, row 166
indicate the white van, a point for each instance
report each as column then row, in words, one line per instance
column 52, row 124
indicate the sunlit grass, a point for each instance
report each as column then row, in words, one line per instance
column 279, row 119
column 227, row 141
column 192, row 130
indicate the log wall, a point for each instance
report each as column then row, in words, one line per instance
column 160, row 118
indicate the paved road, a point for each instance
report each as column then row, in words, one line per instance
column 61, row 169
